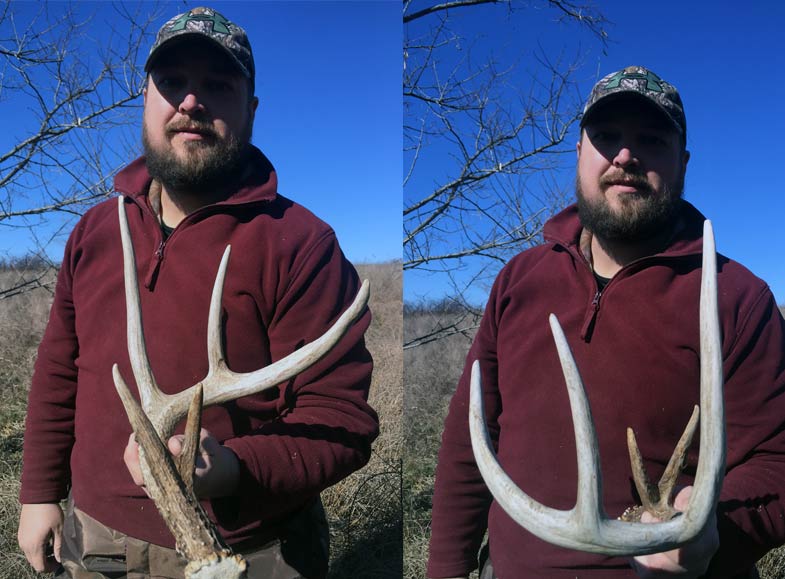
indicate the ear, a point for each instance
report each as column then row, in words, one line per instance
column 144, row 96
column 578, row 150
column 685, row 158
column 252, row 107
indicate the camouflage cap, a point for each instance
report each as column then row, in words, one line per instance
column 210, row 24
column 637, row 80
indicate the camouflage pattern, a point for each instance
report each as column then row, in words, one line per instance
column 640, row 81
column 210, row 24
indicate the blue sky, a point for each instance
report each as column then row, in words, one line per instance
column 329, row 117
column 330, row 108
column 726, row 62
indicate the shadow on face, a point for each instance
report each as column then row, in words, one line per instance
column 196, row 65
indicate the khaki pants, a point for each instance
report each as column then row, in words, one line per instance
column 91, row 550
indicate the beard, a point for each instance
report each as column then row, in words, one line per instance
column 643, row 215
column 209, row 165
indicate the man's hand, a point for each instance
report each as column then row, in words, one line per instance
column 691, row 560
column 40, row 534
column 217, row 467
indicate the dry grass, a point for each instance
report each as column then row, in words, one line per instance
column 22, row 321
column 431, row 373
column 364, row 510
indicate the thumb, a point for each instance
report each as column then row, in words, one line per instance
column 175, row 444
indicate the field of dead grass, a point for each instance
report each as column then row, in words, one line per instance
column 364, row 510
column 431, row 372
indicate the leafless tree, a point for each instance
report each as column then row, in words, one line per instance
column 482, row 146
column 69, row 88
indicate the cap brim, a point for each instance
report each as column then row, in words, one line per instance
column 189, row 36
column 619, row 95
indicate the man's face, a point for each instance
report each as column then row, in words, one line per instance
column 198, row 118
column 631, row 167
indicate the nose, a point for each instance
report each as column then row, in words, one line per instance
column 190, row 104
column 625, row 157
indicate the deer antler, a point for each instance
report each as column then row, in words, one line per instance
column 586, row 527
column 170, row 483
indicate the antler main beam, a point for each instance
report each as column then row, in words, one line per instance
column 170, row 483
column 586, row 527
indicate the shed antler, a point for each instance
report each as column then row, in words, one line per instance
column 586, row 527
column 169, row 482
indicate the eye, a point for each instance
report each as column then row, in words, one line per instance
column 653, row 140
column 169, row 82
column 219, row 86
column 604, row 136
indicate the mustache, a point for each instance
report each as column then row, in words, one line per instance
column 191, row 126
column 631, row 179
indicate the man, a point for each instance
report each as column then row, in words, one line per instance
column 621, row 270
column 264, row 459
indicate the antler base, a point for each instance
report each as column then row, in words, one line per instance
column 223, row 565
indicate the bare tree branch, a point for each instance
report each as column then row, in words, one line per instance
column 75, row 72
column 446, row 6
column 482, row 142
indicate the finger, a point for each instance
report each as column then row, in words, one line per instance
column 682, row 499
column 647, row 517
column 36, row 558
column 57, row 542
column 131, row 459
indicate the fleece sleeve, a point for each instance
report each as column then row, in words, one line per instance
column 751, row 512
column 460, row 499
column 49, row 427
column 326, row 425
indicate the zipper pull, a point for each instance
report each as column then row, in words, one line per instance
column 155, row 265
column 591, row 317
column 596, row 301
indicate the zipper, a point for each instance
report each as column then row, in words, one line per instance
column 591, row 316
column 158, row 255
column 155, row 265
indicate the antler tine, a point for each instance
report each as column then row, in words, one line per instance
column 215, row 354
column 641, row 478
column 149, row 393
column 222, row 385
column 226, row 385
column 711, row 463
column 186, row 460
column 676, row 462
column 574, row 529
column 588, row 505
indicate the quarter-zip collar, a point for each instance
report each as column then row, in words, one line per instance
column 565, row 230
column 260, row 184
